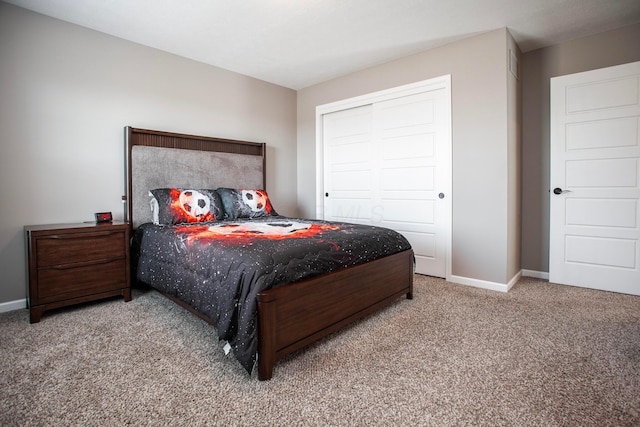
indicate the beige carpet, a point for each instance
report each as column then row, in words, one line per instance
column 541, row 354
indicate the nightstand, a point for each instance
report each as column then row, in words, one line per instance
column 75, row 263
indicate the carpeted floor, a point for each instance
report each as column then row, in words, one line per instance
column 541, row 354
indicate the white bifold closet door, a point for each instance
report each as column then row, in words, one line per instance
column 388, row 164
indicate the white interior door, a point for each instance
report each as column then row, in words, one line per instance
column 595, row 179
column 387, row 163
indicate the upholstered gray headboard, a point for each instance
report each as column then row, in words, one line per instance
column 156, row 159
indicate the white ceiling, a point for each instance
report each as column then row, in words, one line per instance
column 298, row 43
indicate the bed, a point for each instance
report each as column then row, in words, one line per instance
column 297, row 299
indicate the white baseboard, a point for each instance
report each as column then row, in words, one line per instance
column 13, row 305
column 514, row 280
column 536, row 274
column 483, row 284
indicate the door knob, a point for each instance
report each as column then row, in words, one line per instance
column 441, row 196
column 559, row 190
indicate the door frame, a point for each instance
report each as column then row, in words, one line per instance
column 442, row 82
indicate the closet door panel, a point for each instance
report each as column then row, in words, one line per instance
column 407, row 132
column 348, row 161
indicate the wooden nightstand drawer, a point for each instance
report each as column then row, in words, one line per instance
column 74, row 263
column 74, row 280
column 58, row 249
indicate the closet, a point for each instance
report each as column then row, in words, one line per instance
column 385, row 159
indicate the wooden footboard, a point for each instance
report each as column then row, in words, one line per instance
column 295, row 315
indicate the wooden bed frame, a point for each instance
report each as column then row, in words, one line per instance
column 293, row 315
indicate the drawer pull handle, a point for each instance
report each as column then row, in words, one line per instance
column 82, row 235
column 82, row 263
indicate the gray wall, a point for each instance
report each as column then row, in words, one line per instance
column 602, row 50
column 66, row 94
column 483, row 216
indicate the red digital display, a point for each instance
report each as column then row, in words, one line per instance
column 103, row 217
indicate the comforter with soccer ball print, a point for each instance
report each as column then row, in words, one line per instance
column 219, row 267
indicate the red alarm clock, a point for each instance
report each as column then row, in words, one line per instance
column 103, row 217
